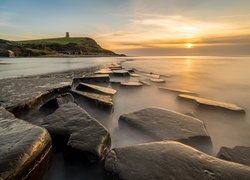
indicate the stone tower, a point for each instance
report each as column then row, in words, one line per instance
column 67, row 34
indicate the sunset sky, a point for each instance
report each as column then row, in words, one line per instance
column 135, row 27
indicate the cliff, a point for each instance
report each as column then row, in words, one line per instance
column 74, row 46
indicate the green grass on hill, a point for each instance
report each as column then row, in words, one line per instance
column 62, row 41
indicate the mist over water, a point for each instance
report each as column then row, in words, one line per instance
column 16, row 67
column 223, row 79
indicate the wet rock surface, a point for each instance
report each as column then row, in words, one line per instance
column 100, row 100
column 169, row 160
column 157, row 80
column 83, row 135
column 120, row 72
column 96, row 89
column 25, row 149
column 162, row 124
column 238, row 154
column 131, row 84
column 92, row 79
column 212, row 103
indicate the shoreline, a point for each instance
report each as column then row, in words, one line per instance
column 70, row 56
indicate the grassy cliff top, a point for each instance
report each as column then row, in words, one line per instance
column 62, row 41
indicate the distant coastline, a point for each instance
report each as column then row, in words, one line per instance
column 55, row 47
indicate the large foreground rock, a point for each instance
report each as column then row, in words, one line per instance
column 170, row 160
column 82, row 134
column 162, row 124
column 24, row 148
column 239, row 154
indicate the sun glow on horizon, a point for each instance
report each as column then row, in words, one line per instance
column 189, row 45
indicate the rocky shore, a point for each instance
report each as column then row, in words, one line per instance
column 46, row 114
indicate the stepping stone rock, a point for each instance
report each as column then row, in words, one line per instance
column 145, row 82
column 104, row 71
column 82, row 134
column 176, row 90
column 121, row 73
column 151, row 75
column 115, row 68
column 96, row 89
column 134, row 75
column 56, row 102
column 131, row 84
column 99, row 99
column 99, row 78
column 115, row 82
column 162, row 124
column 157, row 80
column 238, row 154
column 25, row 149
column 212, row 103
column 169, row 160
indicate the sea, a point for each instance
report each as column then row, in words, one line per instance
column 225, row 79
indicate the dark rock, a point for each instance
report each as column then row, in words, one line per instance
column 25, row 149
column 83, row 135
column 100, row 100
column 95, row 89
column 38, row 100
column 121, row 72
column 99, row 78
column 104, row 71
column 238, row 154
column 169, row 160
column 163, row 124
column 54, row 103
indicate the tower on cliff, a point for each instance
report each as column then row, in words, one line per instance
column 67, row 34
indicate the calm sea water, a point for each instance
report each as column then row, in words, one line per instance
column 16, row 67
column 218, row 78
column 224, row 79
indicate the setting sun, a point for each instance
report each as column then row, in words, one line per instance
column 189, row 45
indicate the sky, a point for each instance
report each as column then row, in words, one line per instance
column 135, row 27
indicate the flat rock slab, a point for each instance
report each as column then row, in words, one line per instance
column 177, row 90
column 212, row 103
column 162, row 124
column 169, row 160
column 99, row 99
column 134, row 75
column 102, row 78
column 104, row 71
column 121, row 72
column 86, row 136
column 24, row 148
column 131, row 84
column 144, row 82
column 238, row 154
column 96, row 89
column 151, row 75
column 21, row 91
column 157, row 80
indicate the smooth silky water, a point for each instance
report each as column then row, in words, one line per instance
column 219, row 78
